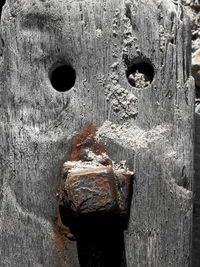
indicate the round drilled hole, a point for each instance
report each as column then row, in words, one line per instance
column 141, row 73
column 63, row 78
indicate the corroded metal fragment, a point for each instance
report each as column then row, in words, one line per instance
column 92, row 190
column 92, row 182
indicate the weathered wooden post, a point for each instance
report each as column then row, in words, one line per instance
column 123, row 66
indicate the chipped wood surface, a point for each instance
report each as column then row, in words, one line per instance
column 151, row 127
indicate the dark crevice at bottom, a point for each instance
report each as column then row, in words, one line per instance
column 196, row 210
column 100, row 239
column 101, row 245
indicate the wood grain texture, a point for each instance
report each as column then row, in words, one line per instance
column 101, row 40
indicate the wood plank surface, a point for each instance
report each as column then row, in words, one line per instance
column 150, row 125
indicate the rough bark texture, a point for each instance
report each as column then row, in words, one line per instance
column 150, row 127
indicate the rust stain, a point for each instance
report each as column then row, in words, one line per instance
column 63, row 242
column 92, row 192
column 196, row 58
column 59, row 241
column 85, row 139
column 93, row 188
column 90, row 185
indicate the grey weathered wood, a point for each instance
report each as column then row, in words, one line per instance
column 192, row 8
column 99, row 39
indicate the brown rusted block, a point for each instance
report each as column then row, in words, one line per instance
column 92, row 183
column 92, row 190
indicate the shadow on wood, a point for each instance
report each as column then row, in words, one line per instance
column 100, row 239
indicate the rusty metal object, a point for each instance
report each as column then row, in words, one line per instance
column 92, row 183
column 91, row 190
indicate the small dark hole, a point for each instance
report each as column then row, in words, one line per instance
column 63, row 78
column 195, row 35
column 172, row 40
column 141, row 73
column 197, row 89
column 128, row 11
column 1, row 46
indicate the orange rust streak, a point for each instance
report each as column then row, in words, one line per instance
column 60, row 242
column 85, row 139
